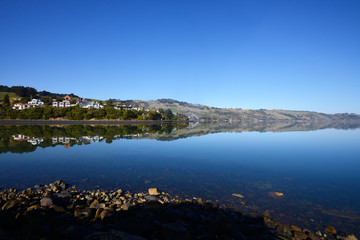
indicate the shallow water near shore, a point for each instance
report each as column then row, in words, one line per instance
column 317, row 171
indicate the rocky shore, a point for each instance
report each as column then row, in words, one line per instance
column 56, row 211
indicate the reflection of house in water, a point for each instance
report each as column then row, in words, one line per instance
column 63, row 140
column 60, row 140
column 89, row 139
column 32, row 140
column 81, row 141
column 130, row 136
column 36, row 141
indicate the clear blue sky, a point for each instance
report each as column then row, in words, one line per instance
column 301, row 55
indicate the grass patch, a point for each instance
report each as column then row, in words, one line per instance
column 11, row 95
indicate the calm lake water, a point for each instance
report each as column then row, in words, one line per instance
column 318, row 171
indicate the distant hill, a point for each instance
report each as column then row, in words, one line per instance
column 22, row 91
column 204, row 113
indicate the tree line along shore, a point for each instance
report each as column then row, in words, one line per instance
column 72, row 107
column 78, row 113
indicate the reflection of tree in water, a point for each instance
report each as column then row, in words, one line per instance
column 19, row 147
column 78, row 134
column 166, row 132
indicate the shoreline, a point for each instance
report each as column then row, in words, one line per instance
column 84, row 122
column 58, row 211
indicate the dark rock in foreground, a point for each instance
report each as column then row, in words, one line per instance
column 55, row 212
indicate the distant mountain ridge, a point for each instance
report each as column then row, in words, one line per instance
column 203, row 113
column 198, row 112
column 21, row 91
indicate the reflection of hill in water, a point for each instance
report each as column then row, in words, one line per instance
column 70, row 135
column 199, row 129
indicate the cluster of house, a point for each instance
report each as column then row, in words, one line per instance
column 63, row 103
column 30, row 104
column 82, row 102
column 61, row 140
column 126, row 107
column 85, row 103
column 123, row 107
column 55, row 140
column 32, row 140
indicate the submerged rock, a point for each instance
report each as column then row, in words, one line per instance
column 295, row 228
column 64, row 194
column 112, row 235
column 330, row 230
column 175, row 232
column 276, row 194
column 152, row 198
column 346, row 236
column 237, row 195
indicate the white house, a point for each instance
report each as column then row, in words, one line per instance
column 91, row 105
column 64, row 103
column 33, row 141
column 21, row 106
column 20, row 137
column 36, row 102
column 123, row 107
column 60, row 140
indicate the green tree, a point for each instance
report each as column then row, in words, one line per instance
column 168, row 114
column 6, row 103
column 48, row 113
column 46, row 100
column 6, row 99
column 168, row 128
column 100, row 114
column 20, row 91
column 25, row 99
column 110, row 113
column 109, row 103
column 32, row 113
column 89, row 114
column 154, row 116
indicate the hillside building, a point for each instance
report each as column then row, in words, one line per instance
column 36, row 102
column 22, row 106
column 85, row 103
column 63, row 103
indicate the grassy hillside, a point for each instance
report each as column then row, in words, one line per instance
column 200, row 112
column 11, row 95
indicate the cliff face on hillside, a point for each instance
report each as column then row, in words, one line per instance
column 204, row 113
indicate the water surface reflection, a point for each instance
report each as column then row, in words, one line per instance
column 316, row 170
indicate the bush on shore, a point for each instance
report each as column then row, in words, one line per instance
column 77, row 113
